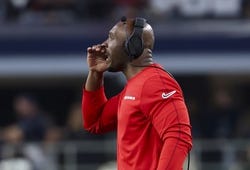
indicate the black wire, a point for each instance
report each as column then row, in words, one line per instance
column 188, row 161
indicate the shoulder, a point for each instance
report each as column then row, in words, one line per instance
column 159, row 78
column 160, row 82
column 153, row 79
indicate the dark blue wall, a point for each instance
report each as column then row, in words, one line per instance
column 78, row 44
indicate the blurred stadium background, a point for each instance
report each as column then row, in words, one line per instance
column 204, row 43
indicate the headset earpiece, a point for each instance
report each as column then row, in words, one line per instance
column 134, row 45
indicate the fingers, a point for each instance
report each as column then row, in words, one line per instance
column 96, row 48
column 99, row 49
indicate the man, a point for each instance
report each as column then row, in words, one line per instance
column 150, row 116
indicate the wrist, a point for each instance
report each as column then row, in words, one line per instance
column 94, row 81
column 97, row 75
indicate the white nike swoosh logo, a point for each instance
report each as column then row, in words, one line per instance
column 167, row 95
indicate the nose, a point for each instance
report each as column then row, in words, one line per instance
column 104, row 44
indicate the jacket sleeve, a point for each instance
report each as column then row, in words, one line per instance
column 99, row 114
column 162, row 102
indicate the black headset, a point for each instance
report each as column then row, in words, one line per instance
column 134, row 45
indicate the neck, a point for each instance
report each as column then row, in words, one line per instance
column 138, row 64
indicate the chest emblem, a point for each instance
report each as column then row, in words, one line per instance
column 129, row 98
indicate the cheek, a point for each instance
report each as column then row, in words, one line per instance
column 116, row 50
column 118, row 59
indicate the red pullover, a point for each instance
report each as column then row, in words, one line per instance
column 151, row 119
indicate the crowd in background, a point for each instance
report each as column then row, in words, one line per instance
column 31, row 124
column 218, row 113
column 64, row 11
column 71, row 11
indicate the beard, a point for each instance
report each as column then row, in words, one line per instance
column 112, row 69
column 117, row 68
column 118, row 62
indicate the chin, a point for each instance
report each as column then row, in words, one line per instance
column 112, row 69
column 116, row 68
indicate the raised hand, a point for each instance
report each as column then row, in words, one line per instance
column 97, row 58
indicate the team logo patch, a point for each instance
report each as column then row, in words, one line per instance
column 129, row 98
